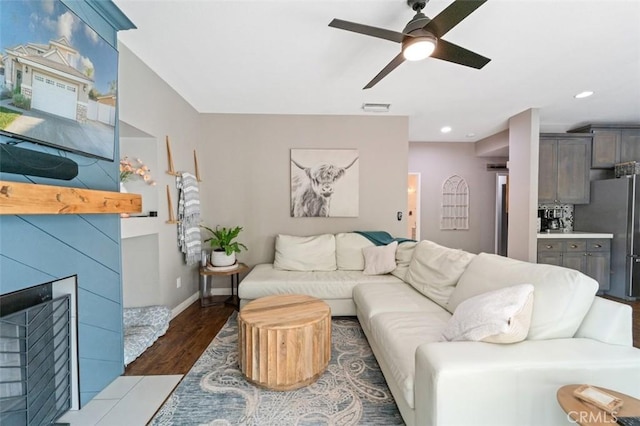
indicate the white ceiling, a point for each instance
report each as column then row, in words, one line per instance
column 281, row 57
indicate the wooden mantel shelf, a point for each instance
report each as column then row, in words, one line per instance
column 28, row 198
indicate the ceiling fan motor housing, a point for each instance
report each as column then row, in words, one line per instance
column 418, row 22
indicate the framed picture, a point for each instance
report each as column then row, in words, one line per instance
column 325, row 182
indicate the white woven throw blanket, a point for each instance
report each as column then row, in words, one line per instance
column 189, row 217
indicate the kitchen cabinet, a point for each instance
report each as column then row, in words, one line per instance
column 590, row 256
column 612, row 144
column 563, row 170
column 550, row 252
column 629, row 145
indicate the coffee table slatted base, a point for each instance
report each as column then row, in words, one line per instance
column 284, row 343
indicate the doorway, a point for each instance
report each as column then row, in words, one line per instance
column 502, row 213
column 413, row 206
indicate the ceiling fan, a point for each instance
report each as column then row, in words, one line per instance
column 421, row 37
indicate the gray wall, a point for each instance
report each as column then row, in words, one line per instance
column 246, row 173
column 149, row 104
column 436, row 161
column 245, row 170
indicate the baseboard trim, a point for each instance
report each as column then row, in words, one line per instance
column 184, row 305
column 195, row 296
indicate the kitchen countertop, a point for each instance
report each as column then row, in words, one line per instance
column 573, row 234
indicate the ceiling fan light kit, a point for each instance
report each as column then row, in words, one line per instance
column 418, row 48
column 422, row 37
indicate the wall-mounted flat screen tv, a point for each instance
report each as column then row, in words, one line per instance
column 58, row 79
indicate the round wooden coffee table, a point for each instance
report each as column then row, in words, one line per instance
column 586, row 414
column 284, row 341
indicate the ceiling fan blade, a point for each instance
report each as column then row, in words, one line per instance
column 452, row 15
column 453, row 53
column 395, row 62
column 368, row 30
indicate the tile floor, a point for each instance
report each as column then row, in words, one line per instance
column 129, row 400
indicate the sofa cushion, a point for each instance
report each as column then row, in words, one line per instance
column 499, row 316
column 434, row 270
column 561, row 297
column 398, row 335
column 349, row 247
column 404, row 254
column 375, row 298
column 313, row 253
column 380, row 260
column 265, row 280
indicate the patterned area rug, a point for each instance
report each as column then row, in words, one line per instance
column 352, row 391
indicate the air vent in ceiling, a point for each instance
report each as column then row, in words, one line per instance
column 497, row 167
column 371, row 107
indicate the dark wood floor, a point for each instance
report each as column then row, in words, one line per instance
column 191, row 332
column 188, row 336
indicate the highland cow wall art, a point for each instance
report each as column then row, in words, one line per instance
column 324, row 182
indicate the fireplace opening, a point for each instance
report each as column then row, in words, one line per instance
column 38, row 353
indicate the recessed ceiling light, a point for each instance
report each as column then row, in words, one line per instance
column 470, row 135
column 370, row 107
column 445, row 129
column 584, row 94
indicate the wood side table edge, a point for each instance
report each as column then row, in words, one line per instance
column 585, row 414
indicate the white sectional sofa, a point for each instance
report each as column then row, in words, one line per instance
column 324, row 266
column 440, row 367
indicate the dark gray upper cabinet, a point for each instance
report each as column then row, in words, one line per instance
column 629, row 145
column 563, row 171
column 605, row 149
column 613, row 144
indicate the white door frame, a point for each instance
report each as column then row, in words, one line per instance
column 417, row 213
column 501, row 178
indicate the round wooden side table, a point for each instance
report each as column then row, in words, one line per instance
column 585, row 414
column 205, row 283
column 284, row 341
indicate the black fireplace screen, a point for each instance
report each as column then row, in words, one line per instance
column 35, row 364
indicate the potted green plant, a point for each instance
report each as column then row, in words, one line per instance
column 223, row 245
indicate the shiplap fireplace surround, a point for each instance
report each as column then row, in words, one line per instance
column 18, row 198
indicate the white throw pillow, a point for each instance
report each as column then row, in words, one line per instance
column 434, row 270
column 380, row 260
column 404, row 254
column 499, row 316
column 314, row 253
column 349, row 247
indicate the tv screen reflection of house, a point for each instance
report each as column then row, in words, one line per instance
column 58, row 79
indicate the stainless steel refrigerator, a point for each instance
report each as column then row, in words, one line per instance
column 614, row 209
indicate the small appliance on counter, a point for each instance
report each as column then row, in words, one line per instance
column 627, row 169
column 551, row 219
